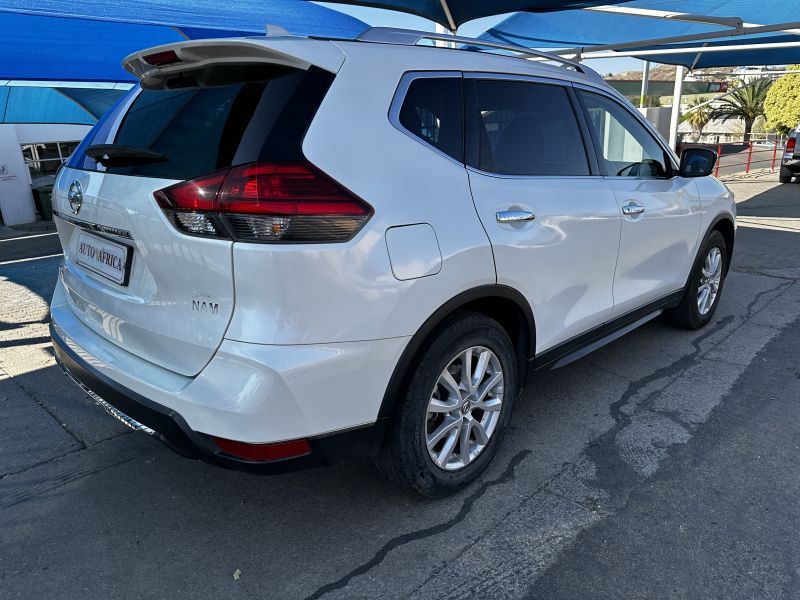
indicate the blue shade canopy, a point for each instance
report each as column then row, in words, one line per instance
column 576, row 28
column 81, row 106
column 462, row 11
column 87, row 40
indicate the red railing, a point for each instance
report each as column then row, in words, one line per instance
column 770, row 152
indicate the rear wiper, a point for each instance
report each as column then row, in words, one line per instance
column 117, row 155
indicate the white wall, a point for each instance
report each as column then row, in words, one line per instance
column 659, row 116
column 16, row 198
column 32, row 133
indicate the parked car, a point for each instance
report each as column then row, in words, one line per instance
column 790, row 163
column 282, row 252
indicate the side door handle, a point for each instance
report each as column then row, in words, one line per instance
column 514, row 216
column 632, row 209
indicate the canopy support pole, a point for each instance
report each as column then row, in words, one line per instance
column 449, row 15
column 680, row 72
column 645, row 84
column 653, row 53
column 441, row 29
column 695, row 37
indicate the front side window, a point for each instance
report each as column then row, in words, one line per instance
column 433, row 111
column 625, row 147
column 523, row 128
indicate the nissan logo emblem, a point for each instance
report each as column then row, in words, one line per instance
column 75, row 197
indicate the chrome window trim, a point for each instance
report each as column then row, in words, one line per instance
column 659, row 139
column 97, row 228
column 400, row 96
column 499, row 76
column 530, row 177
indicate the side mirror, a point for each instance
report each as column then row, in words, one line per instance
column 697, row 162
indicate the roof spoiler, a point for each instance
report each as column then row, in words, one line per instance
column 153, row 65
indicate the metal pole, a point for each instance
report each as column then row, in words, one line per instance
column 645, row 83
column 676, row 106
column 749, row 158
column 774, row 154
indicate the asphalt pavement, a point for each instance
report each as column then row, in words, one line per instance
column 663, row 465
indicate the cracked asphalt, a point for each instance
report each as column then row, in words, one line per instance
column 664, row 465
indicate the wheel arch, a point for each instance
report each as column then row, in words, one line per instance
column 502, row 303
column 724, row 223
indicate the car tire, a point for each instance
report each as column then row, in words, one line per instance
column 708, row 273
column 416, row 445
column 785, row 176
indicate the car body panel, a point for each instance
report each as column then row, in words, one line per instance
column 159, row 314
column 547, row 259
column 657, row 248
column 254, row 393
column 790, row 161
column 306, row 337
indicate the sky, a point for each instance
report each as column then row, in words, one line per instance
column 378, row 17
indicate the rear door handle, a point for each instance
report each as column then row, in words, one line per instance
column 632, row 209
column 514, row 216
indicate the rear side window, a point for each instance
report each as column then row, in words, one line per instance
column 201, row 129
column 433, row 111
column 522, row 128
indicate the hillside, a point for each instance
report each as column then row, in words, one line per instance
column 663, row 73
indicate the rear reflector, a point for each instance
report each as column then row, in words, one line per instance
column 265, row 202
column 159, row 59
column 264, row 452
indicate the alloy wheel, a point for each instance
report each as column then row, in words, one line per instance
column 464, row 408
column 710, row 278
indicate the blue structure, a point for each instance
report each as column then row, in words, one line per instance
column 575, row 28
column 78, row 106
column 461, row 11
column 78, row 41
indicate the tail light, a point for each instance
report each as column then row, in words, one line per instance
column 264, row 452
column 159, row 59
column 265, row 202
column 790, row 144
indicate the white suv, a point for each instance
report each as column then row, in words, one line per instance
column 286, row 251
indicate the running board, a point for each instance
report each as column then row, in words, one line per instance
column 581, row 345
column 569, row 358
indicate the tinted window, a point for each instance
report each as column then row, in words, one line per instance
column 433, row 110
column 202, row 129
column 524, row 129
column 626, row 148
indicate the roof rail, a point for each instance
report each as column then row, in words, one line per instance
column 410, row 37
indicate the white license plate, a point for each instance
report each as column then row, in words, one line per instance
column 104, row 257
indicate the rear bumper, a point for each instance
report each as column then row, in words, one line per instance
column 166, row 425
column 328, row 394
column 791, row 164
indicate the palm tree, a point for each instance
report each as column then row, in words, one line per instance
column 746, row 103
column 698, row 118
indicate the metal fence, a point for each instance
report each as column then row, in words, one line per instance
column 754, row 153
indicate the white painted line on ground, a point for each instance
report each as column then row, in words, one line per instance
column 22, row 260
column 28, row 237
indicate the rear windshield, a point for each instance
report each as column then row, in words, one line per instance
column 201, row 129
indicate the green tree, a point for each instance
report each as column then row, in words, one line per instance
column 746, row 103
column 698, row 118
column 782, row 105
